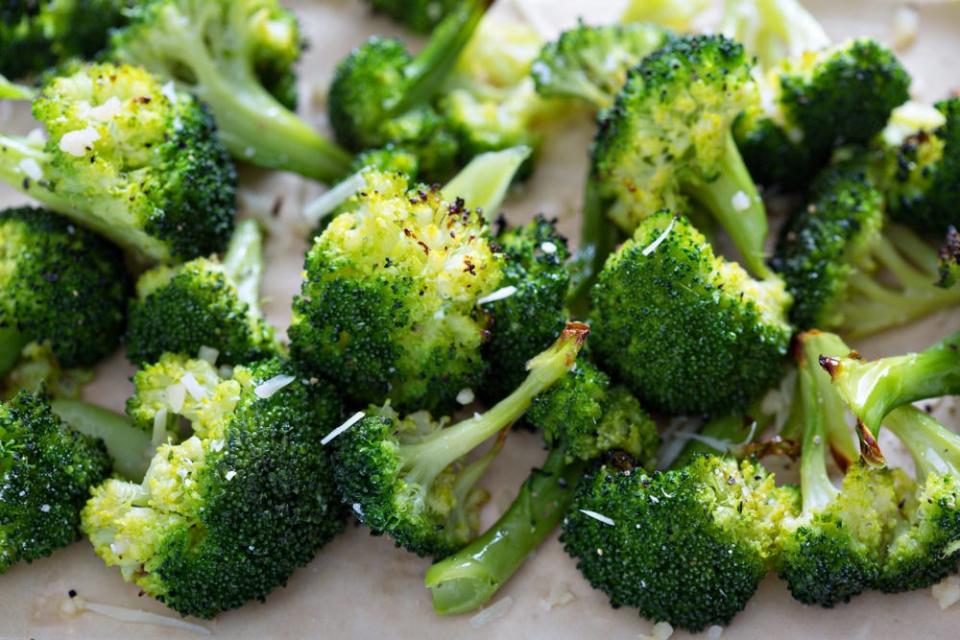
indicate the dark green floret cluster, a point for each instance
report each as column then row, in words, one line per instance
column 420, row 15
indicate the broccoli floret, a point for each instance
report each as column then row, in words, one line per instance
column 204, row 303
column 833, row 549
column 685, row 330
column 63, row 287
column 392, row 296
column 688, row 546
column 582, row 417
column 772, row 31
column 926, row 547
column 228, row 514
column 408, row 477
column 46, row 471
column 668, row 141
column 135, row 161
column 874, row 389
column 381, row 94
column 388, row 159
column 674, row 14
column 922, row 174
column 950, row 260
column 590, row 63
column 37, row 34
column 841, row 95
column 420, row 15
column 235, row 56
column 837, row 256
column 527, row 321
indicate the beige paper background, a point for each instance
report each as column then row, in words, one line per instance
column 362, row 587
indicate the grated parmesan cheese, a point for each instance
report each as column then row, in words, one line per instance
column 656, row 243
column 597, row 516
column 947, row 592
column 209, row 355
column 77, row 605
column 491, row 613
column 169, row 91
column 106, row 111
column 714, row 632
column 193, row 387
column 268, row 388
column 465, row 396
column 740, row 201
column 31, row 169
column 78, row 143
column 499, row 294
column 352, row 420
column 176, row 396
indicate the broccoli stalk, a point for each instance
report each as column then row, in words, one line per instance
column 129, row 447
column 209, row 49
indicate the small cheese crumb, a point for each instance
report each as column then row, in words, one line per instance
column 491, row 613
column 31, row 169
column 714, row 632
column 208, row 354
column 548, row 247
column 45, row 508
column 230, row 475
column 352, row 420
column 740, row 201
column 169, row 91
column 78, row 143
column 597, row 516
column 466, row 396
column 268, row 388
column 499, row 294
column 656, row 243
column 559, row 596
column 74, row 605
column 193, row 387
column 947, row 593
column 906, row 27
column 106, row 111
column 660, row 631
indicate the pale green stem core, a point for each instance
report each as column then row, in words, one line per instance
column 12, row 343
column 815, row 485
column 483, row 183
column 732, row 198
column 427, row 73
column 427, row 459
column 243, row 261
column 874, row 389
column 469, row 579
column 129, row 447
column 934, row 448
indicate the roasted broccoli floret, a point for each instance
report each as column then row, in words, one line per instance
column 772, row 30
column 206, row 302
column 667, row 143
column 229, row 513
column 63, row 287
column 408, row 477
column 922, row 174
column 950, row 260
column 688, row 546
column 129, row 158
column 590, row 63
column 582, row 417
column 46, row 471
column 837, row 256
column 420, row 15
column 926, row 547
column 527, row 320
column 381, row 94
column 874, row 389
column 674, row 14
column 37, row 34
column 236, row 56
column 820, row 100
column 395, row 286
column 687, row 331
column 834, row 548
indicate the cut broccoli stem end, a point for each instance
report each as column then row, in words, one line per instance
column 469, row 579
column 934, row 448
column 483, row 184
column 129, row 447
column 243, row 261
column 732, row 198
column 427, row 459
column 12, row 343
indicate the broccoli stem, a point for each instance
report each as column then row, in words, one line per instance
column 12, row 343
column 719, row 436
column 483, row 183
column 427, row 73
column 598, row 239
column 243, row 261
column 815, row 485
column 106, row 217
column 129, row 447
column 426, row 459
column 874, row 389
column 934, row 448
column 469, row 579
column 733, row 200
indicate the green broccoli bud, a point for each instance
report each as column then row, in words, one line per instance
column 128, row 158
column 590, row 63
column 204, row 303
column 185, row 535
column 235, row 56
column 407, row 477
column 685, row 330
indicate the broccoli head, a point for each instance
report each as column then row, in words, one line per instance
column 687, row 546
column 131, row 159
column 237, row 57
column 922, row 174
column 63, row 287
column 837, row 256
column 37, row 34
column 408, row 477
column 46, row 472
column 590, row 63
column 685, row 330
column 420, row 15
column 204, row 303
column 229, row 513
